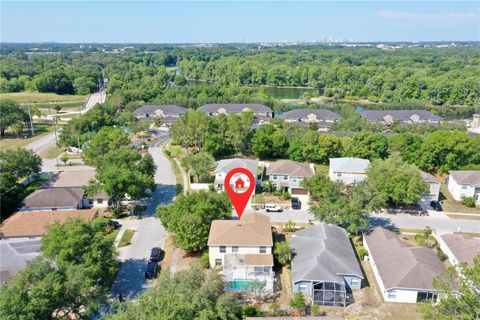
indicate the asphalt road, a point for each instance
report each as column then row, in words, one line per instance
column 436, row 220
column 42, row 144
column 95, row 98
column 130, row 280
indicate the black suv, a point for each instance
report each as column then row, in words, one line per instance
column 296, row 203
column 436, row 205
column 155, row 254
column 152, row 270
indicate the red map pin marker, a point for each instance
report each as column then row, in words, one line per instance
column 239, row 199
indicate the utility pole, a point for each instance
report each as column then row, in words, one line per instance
column 30, row 116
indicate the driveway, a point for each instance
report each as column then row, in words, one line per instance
column 130, row 280
column 95, row 98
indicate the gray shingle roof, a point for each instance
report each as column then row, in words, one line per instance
column 349, row 165
column 399, row 115
column 400, row 264
column 167, row 109
column 323, row 253
column 467, row 177
column 290, row 168
column 54, row 198
column 463, row 246
column 234, row 108
column 322, row 114
column 226, row 165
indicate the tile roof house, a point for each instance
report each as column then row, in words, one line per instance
column 464, row 183
column 403, row 116
column 261, row 113
column 244, row 249
column 287, row 174
column 225, row 165
column 79, row 179
column 324, row 265
column 167, row 113
column 348, row 170
column 54, row 199
column 403, row 272
column 30, row 224
column 459, row 247
column 322, row 117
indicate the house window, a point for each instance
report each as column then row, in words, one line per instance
column 339, row 174
column 257, row 269
column 223, row 249
column 234, row 249
column 355, row 282
column 303, row 287
column 99, row 201
column 392, row 295
column 285, row 177
column 274, row 177
column 218, row 262
column 464, row 187
column 294, row 180
column 263, row 249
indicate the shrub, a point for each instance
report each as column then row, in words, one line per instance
column 204, row 260
column 289, row 226
column 362, row 253
column 251, row 311
column 298, row 302
column 441, row 255
column 469, row 202
column 286, row 196
column 315, row 310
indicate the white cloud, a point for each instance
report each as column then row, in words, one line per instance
column 449, row 17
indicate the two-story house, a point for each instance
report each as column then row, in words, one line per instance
column 323, row 118
column 465, row 183
column 388, row 117
column 168, row 114
column 261, row 113
column 348, row 170
column 243, row 248
column 225, row 165
column 288, row 175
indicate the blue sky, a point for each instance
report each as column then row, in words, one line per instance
column 229, row 21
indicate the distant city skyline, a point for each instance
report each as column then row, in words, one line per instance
column 237, row 22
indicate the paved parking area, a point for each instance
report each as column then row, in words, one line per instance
column 15, row 254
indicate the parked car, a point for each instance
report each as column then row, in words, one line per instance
column 155, row 254
column 436, row 205
column 152, row 270
column 271, row 207
column 296, row 203
column 114, row 224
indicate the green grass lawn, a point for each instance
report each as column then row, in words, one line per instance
column 43, row 98
column 52, row 152
column 450, row 205
column 126, row 238
column 12, row 142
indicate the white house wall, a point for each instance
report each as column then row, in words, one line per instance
column 214, row 252
column 459, row 191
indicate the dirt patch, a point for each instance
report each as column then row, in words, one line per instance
column 463, row 216
column 175, row 259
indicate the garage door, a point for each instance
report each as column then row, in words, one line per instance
column 299, row 191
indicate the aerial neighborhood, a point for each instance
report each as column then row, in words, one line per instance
column 240, row 181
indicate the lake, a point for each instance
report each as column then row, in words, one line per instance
column 274, row 92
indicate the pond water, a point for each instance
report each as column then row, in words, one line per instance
column 274, row 92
